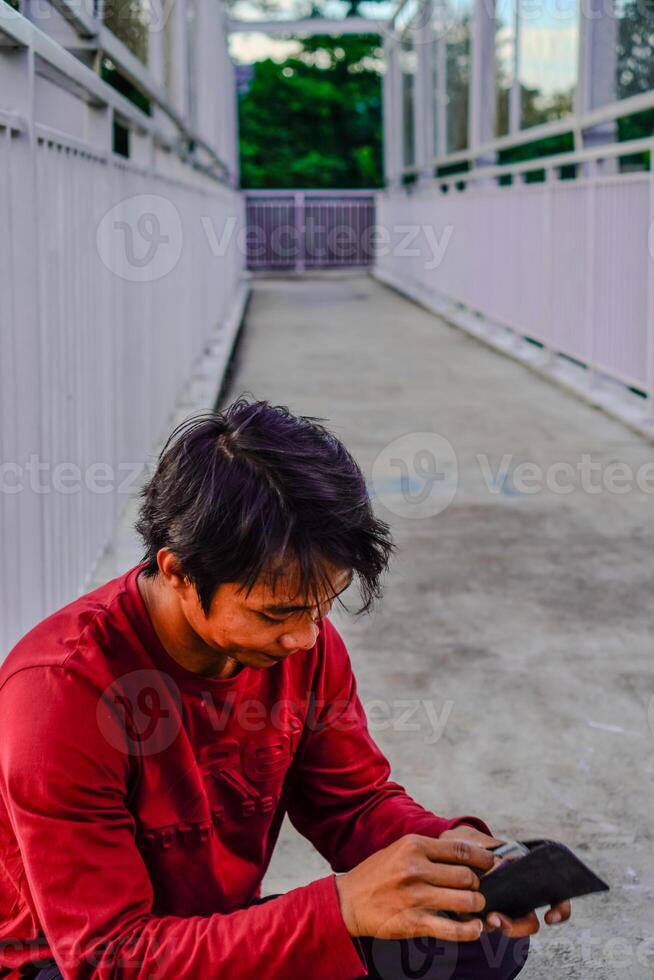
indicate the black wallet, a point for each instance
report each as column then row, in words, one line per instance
column 548, row 873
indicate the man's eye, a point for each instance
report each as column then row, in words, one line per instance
column 270, row 619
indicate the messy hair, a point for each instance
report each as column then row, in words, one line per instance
column 254, row 491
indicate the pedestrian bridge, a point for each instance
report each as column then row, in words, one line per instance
column 476, row 312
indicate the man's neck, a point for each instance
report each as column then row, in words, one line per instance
column 177, row 638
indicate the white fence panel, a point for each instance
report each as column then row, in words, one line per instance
column 566, row 263
column 101, row 360
column 568, row 300
column 296, row 230
column 620, row 276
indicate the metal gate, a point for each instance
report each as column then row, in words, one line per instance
column 297, row 230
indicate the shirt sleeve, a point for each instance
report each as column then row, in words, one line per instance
column 64, row 786
column 342, row 798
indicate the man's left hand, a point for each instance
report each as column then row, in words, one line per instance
column 514, row 928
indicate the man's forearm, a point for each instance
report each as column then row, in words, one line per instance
column 299, row 932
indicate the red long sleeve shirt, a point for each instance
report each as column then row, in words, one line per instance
column 140, row 803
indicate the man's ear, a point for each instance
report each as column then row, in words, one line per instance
column 171, row 570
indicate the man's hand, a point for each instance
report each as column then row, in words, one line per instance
column 513, row 928
column 396, row 892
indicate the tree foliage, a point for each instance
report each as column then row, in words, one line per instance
column 635, row 48
column 129, row 20
column 314, row 120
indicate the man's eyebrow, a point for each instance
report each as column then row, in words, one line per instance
column 280, row 608
column 284, row 609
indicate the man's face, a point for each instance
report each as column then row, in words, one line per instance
column 267, row 626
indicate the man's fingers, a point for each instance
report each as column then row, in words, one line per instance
column 440, row 927
column 514, row 928
column 446, row 876
column 447, row 899
column 453, row 852
column 558, row 913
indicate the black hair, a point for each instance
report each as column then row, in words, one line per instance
column 252, row 490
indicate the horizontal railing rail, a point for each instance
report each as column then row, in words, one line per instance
column 569, row 124
column 591, row 155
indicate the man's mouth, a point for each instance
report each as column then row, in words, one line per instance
column 277, row 658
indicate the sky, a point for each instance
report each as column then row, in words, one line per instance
column 248, row 47
column 549, row 37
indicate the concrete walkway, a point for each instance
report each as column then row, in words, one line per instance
column 508, row 671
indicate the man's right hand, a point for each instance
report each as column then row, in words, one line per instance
column 395, row 893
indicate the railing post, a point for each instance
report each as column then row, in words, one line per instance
column 650, row 292
column 424, row 94
column 548, row 253
column 440, row 56
column 481, row 120
column 177, row 28
column 393, row 113
column 299, row 231
column 22, row 428
column 589, row 272
column 515, row 94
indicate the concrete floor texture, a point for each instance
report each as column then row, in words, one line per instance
column 508, row 670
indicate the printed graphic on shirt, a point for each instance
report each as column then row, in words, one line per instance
column 243, row 780
column 252, row 771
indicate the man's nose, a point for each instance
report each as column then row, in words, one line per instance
column 302, row 637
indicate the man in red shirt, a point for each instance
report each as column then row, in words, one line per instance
column 154, row 733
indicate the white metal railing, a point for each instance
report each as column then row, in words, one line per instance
column 596, row 105
column 299, row 230
column 114, row 274
column 575, row 124
column 91, row 362
column 71, row 73
column 568, row 263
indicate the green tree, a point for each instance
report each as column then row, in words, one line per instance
column 635, row 48
column 129, row 20
column 315, row 120
column 635, row 72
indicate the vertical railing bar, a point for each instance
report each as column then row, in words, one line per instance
column 589, row 273
column 299, row 231
column 548, row 251
column 650, row 290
